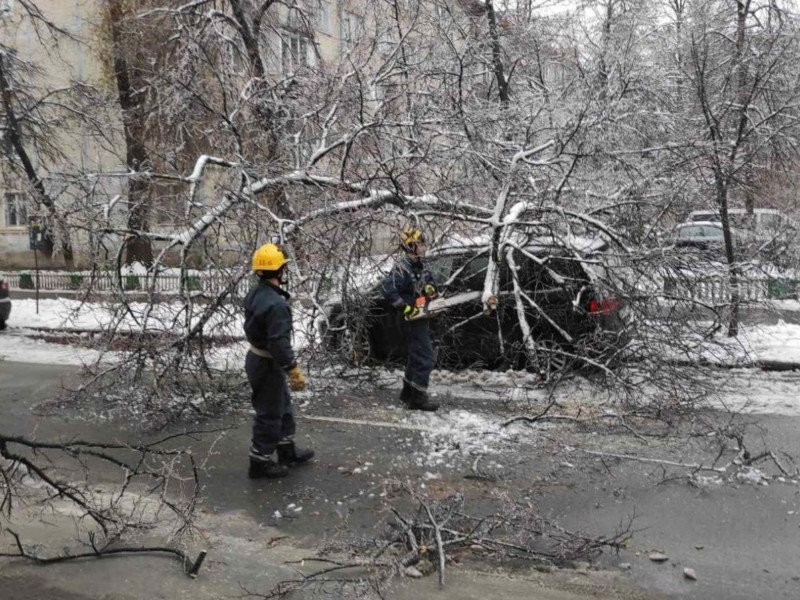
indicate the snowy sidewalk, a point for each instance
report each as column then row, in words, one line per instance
column 770, row 347
column 773, row 347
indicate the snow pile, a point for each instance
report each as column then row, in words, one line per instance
column 758, row 343
column 65, row 313
column 449, row 437
column 69, row 314
column 755, row 343
column 780, row 342
column 752, row 476
column 19, row 348
column 753, row 391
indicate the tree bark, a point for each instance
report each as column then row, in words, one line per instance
column 138, row 249
column 734, row 269
column 249, row 29
column 497, row 54
column 679, row 8
column 606, row 42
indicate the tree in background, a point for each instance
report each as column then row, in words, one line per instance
column 34, row 113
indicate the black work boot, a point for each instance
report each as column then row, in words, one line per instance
column 407, row 393
column 291, row 455
column 261, row 465
column 421, row 401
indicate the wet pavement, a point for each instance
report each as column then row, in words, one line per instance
column 741, row 540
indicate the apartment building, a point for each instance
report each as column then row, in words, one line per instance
column 61, row 60
column 321, row 31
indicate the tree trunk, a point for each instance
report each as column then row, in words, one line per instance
column 138, row 249
column 679, row 7
column 497, row 54
column 603, row 66
column 734, row 269
column 742, row 6
column 249, row 30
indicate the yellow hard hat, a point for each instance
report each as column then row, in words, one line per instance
column 411, row 236
column 268, row 257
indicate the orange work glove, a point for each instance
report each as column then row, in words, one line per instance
column 297, row 379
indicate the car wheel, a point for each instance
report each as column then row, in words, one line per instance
column 2, row 325
column 331, row 333
column 356, row 346
column 551, row 357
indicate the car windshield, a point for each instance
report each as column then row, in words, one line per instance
column 472, row 273
column 771, row 221
column 699, row 231
column 469, row 273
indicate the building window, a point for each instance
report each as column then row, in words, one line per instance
column 322, row 15
column 294, row 51
column 352, row 29
column 15, row 209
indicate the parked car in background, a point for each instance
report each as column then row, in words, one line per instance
column 575, row 318
column 766, row 235
column 704, row 235
column 762, row 220
column 5, row 303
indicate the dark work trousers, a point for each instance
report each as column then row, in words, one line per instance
column 274, row 419
column 420, row 354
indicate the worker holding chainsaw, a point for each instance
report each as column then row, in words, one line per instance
column 272, row 368
column 409, row 287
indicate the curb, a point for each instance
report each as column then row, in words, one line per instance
column 777, row 365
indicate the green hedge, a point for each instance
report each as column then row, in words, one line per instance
column 782, row 289
column 75, row 281
column 193, row 283
column 26, row 281
column 132, row 282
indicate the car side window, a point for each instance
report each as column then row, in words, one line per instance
column 770, row 221
column 690, row 231
column 556, row 272
column 470, row 273
column 441, row 268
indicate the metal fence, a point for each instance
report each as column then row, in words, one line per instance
column 104, row 281
column 716, row 290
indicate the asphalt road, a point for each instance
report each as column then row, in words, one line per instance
column 742, row 541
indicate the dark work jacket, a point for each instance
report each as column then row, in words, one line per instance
column 268, row 322
column 405, row 282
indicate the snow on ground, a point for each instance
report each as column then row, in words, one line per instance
column 66, row 313
column 54, row 314
column 779, row 342
column 746, row 389
column 455, row 434
column 15, row 347
column 753, row 391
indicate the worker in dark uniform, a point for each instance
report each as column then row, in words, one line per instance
column 272, row 368
column 408, row 287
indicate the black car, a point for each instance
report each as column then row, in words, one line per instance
column 573, row 322
column 5, row 303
